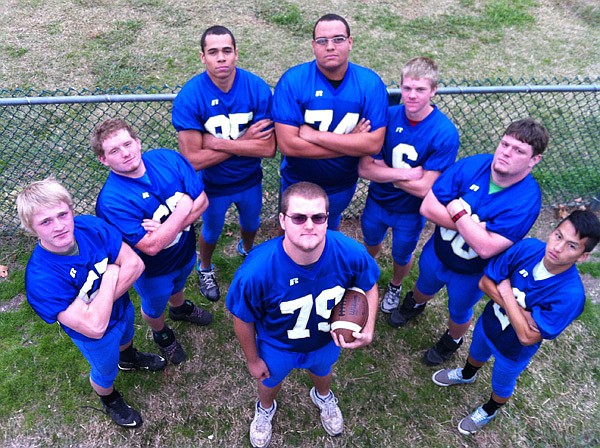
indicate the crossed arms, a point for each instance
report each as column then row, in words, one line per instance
column 520, row 319
column 309, row 143
column 204, row 150
column 91, row 319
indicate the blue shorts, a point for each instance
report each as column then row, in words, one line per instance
column 103, row 354
column 505, row 371
column 248, row 204
column 406, row 230
column 282, row 362
column 463, row 289
column 338, row 202
column 156, row 291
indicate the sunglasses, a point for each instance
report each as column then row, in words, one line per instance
column 319, row 218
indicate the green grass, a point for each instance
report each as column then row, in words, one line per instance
column 384, row 390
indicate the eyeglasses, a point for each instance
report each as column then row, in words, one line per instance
column 319, row 218
column 337, row 40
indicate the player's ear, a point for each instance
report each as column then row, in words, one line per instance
column 584, row 257
column 102, row 160
column 282, row 221
column 535, row 160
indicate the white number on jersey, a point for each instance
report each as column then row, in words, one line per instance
column 458, row 242
column 163, row 211
column 305, row 304
column 228, row 125
column 402, row 150
column 503, row 318
column 325, row 117
column 100, row 267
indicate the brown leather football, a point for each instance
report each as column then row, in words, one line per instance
column 350, row 314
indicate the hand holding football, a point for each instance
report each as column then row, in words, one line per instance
column 350, row 314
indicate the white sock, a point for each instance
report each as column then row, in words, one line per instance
column 269, row 410
column 324, row 398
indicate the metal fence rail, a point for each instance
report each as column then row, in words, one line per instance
column 47, row 133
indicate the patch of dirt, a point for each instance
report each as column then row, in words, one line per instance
column 13, row 304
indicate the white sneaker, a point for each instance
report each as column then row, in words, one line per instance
column 391, row 298
column 260, row 428
column 331, row 416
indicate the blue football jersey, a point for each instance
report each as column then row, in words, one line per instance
column 553, row 302
column 290, row 305
column 510, row 212
column 126, row 202
column 432, row 143
column 202, row 106
column 304, row 96
column 54, row 281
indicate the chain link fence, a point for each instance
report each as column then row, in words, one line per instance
column 47, row 133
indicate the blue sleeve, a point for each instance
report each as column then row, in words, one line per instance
column 186, row 113
column 500, row 267
column 444, row 153
column 559, row 311
column 193, row 184
column 376, row 107
column 446, row 186
column 286, row 103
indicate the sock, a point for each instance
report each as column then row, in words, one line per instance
column 456, row 340
column 165, row 337
column 419, row 305
column 395, row 286
column 108, row 399
column 127, row 355
column 269, row 410
column 185, row 308
column 469, row 371
column 491, row 406
column 321, row 397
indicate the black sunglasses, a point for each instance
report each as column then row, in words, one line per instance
column 319, row 218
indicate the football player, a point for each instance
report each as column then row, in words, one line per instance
column 281, row 299
column 481, row 206
column 327, row 114
column 78, row 275
column 153, row 199
column 223, row 120
column 420, row 143
column 535, row 292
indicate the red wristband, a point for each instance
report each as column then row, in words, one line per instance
column 459, row 215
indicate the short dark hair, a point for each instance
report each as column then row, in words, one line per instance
column 305, row 190
column 587, row 225
column 216, row 30
column 529, row 131
column 332, row 18
column 107, row 128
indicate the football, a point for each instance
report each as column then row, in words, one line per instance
column 350, row 314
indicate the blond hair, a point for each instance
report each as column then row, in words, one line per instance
column 41, row 194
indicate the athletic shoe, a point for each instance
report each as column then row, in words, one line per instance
column 442, row 350
column 475, row 421
column 260, row 428
column 144, row 361
column 122, row 414
column 173, row 352
column 331, row 416
column 391, row 298
column 451, row 377
column 209, row 287
column 198, row 316
column 405, row 312
column 241, row 250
